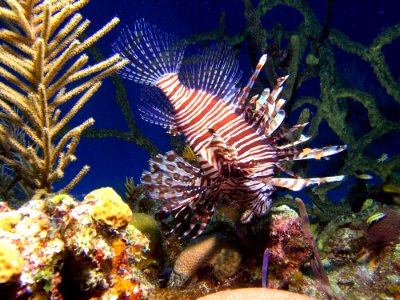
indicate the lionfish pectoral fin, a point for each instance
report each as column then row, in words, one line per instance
column 194, row 216
column 157, row 109
column 198, row 219
column 215, row 71
column 152, row 53
column 254, row 196
column 171, row 179
column 296, row 184
column 246, row 216
column 177, row 183
column 260, row 209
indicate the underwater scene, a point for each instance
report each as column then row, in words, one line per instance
column 233, row 149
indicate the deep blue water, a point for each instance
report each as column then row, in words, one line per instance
column 112, row 160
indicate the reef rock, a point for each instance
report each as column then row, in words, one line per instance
column 58, row 248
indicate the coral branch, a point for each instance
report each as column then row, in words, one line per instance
column 38, row 45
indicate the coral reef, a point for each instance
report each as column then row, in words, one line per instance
column 344, row 245
column 66, row 253
column 372, row 276
column 147, row 225
column 289, row 249
column 43, row 66
column 10, row 262
column 354, row 267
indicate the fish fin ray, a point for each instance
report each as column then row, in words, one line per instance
column 152, row 53
column 216, row 72
column 239, row 101
column 176, row 183
column 156, row 109
column 296, row 184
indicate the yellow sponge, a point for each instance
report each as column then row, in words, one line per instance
column 109, row 208
column 11, row 262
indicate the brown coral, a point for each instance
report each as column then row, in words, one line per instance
column 196, row 256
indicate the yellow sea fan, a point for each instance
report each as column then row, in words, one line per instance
column 43, row 66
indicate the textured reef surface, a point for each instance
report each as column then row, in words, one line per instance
column 58, row 248
column 343, row 82
column 54, row 247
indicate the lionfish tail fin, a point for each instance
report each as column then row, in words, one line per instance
column 151, row 52
column 176, row 183
column 296, row 184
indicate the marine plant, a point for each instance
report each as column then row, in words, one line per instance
column 43, row 67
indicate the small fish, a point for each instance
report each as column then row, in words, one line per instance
column 383, row 158
column 391, row 188
column 364, row 176
column 375, row 218
column 237, row 140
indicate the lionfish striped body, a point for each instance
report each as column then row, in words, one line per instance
column 234, row 139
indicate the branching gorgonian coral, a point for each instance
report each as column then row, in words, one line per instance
column 43, row 66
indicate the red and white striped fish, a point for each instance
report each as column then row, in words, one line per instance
column 235, row 139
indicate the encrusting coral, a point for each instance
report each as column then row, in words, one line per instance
column 10, row 262
column 55, row 249
column 43, row 66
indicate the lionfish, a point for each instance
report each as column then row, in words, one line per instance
column 234, row 137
